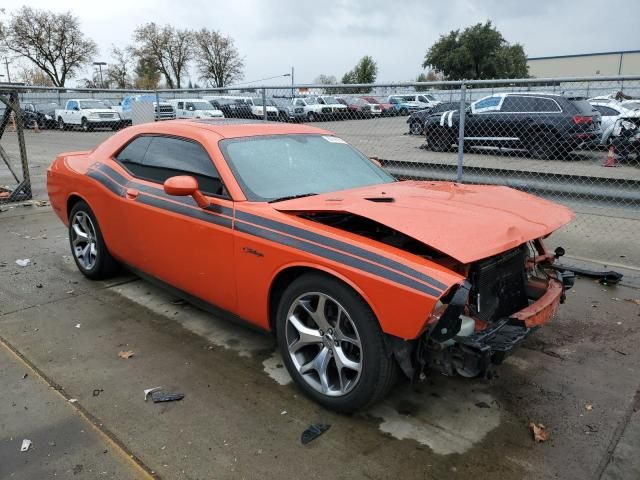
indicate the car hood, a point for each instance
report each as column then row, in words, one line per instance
column 466, row 222
column 99, row 110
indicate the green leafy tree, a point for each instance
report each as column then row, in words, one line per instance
column 147, row 73
column 365, row 71
column 478, row 52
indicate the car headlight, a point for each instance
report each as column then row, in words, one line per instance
column 47, row 117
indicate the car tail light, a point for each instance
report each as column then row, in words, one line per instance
column 581, row 119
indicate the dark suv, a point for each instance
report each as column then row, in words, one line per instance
column 544, row 124
column 417, row 119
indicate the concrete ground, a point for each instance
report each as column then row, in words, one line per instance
column 242, row 418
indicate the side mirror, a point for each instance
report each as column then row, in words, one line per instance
column 185, row 186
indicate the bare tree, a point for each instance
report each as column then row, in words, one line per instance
column 170, row 49
column 118, row 72
column 53, row 42
column 218, row 60
column 34, row 76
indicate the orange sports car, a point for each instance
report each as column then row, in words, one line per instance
column 359, row 276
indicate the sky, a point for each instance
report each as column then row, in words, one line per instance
column 329, row 37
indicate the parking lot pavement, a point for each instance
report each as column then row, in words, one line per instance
column 64, row 443
column 242, row 418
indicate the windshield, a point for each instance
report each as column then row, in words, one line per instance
column 310, row 101
column 258, row 102
column 199, row 105
column 631, row 105
column 45, row 107
column 273, row 167
column 92, row 104
column 330, row 100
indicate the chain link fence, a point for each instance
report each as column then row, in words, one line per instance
column 572, row 140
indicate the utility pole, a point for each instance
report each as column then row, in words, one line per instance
column 100, row 64
column 6, row 64
column 292, row 83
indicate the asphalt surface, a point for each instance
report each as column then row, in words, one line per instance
column 242, row 418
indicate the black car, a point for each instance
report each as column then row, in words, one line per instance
column 232, row 107
column 544, row 124
column 287, row 112
column 42, row 113
column 417, row 119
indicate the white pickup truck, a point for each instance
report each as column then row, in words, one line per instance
column 87, row 114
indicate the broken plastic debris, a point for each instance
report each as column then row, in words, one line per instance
column 149, row 391
column 97, row 391
column 588, row 407
column 539, row 431
column 313, row 432
column 26, row 445
column 77, row 325
column 159, row 396
column 73, row 400
column 126, row 354
column 283, row 412
column 23, row 262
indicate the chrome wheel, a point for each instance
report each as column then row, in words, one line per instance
column 84, row 240
column 324, row 344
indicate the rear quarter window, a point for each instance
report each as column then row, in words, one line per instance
column 581, row 107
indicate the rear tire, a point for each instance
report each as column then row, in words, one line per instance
column 542, row 145
column 439, row 140
column 87, row 244
column 314, row 341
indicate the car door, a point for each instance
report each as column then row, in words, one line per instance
column 172, row 238
column 180, row 113
column 516, row 115
column 72, row 112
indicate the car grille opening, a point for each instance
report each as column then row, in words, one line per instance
column 499, row 285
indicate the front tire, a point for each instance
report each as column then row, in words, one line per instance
column 311, row 117
column 61, row 125
column 87, row 245
column 332, row 345
column 416, row 128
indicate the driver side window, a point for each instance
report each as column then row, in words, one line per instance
column 157, row 158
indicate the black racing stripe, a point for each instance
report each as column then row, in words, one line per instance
column 106, row 181
column 184, row 210
column 339, row 257
column 338, row 245
column 160, row 191
column 112, row 173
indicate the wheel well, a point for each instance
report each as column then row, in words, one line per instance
column 283, row 280
column 73, row 199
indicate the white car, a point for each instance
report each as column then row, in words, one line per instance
column 610, row 112
column 87, row 114
column 631, row 104
column 312, row 109
column 194, row 108
column 422, row 100
column 338, row 110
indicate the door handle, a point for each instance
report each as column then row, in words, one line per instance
column 132, row 193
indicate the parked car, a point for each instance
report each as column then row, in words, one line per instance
column 625, row 137
column 312, row 109
column 359, row 276
column 44, row 114
column 194, row 108
column 164, row 111
column 359, row 108
column 257, row 108
column 424, row 100
column 609, row 114
column 231, row 107
column 417, row 119
column 287, row 111
column 338, row 110
column 545, row 124
column 87, row 114
column 402, row 106
column 386, row 109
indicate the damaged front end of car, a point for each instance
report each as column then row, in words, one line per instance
column 480, row 321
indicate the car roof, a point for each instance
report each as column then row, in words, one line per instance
column 186, row 100
column 237, row 128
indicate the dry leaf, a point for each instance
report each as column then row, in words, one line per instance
column 539, row 432
column 127, row 354
column 635, row 300
column 588, row 407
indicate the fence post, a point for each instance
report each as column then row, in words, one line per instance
column 463, row 108
column 264, row 103
column 156, row 111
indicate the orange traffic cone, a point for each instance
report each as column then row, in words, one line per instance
column 611, row 158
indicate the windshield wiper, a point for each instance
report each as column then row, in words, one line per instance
column 291, row 197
